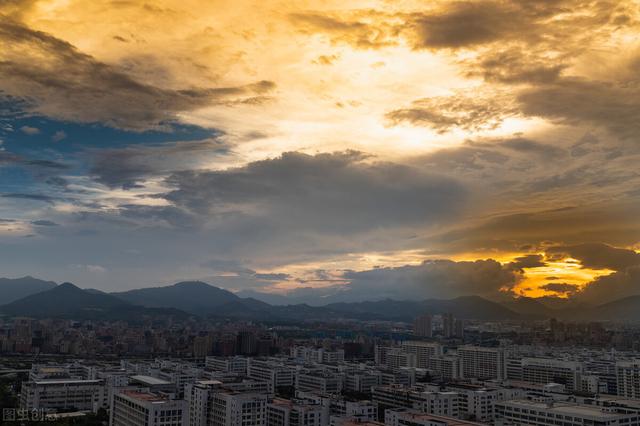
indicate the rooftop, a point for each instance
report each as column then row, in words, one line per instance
column 566, row 408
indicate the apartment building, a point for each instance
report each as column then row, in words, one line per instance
column 408, row 417
column 284, row 412
column 63, row 395
column 482, row 363
column 139, row 408
column 527, row 412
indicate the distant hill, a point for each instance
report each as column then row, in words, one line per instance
column 68, row 301
column 12, row 289
column 625, row 309
column 466, row 307
column 190, row 296
column 45, row 299
column 530, row 307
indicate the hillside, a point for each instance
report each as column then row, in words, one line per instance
column 190, row 296
column 12, row 289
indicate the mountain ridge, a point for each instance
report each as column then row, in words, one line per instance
column 205, row 300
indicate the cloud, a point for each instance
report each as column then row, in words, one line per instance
column 615, row 106
column 42, row 222
column 95, row 269
column 228, row 266
column 469, row 112
column 599, row 255
column 613, row 286
column 527, row 261
column 128, row 167
column 334, row 193
column 433, row 279
column 70, row 85
column 28, row 130
column 33, row 197
column 58, row 136
column 277, row 276
column 363, row 30
column 561, row 288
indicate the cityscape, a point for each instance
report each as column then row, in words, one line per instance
column 320, row 212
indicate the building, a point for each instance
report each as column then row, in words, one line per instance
column 138, row 408
column 528, row 412
column 63, row 395
column 478, row 362
column 548, row 370
column 408, row 417
column 397, row 358
column 319, row 381
column 236, row 364
column 361, row 381
column 423, row 351
column 276, row 373
column 317, row 355
column 432, row 402
column 284, row 412
column 448, row 325
column 231, row 408
column 628, row 378
column 422, row 326
column 446, row 367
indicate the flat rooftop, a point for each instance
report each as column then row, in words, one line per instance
column 144, row 396
column 149, row 380
column 449, row 421
column 566, row 408
column 66, row 382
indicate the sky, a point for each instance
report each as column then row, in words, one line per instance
column 323, row 150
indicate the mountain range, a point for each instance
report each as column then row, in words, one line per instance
column 45, row 299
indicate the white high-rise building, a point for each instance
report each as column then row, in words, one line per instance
column 231, row 408
column 63, row 395
column 527, row 412
column 138, row 408
column 423, row 351
column 285, row 412
column 482, row 363
column 628, row 378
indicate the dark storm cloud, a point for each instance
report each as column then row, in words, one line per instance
column 433, row 279
column 615, row 106
column 339, row 192
column 599, row 255
column 128, row 167
column 527, row 261
column 614, row 223
column 561, row 288
column 614, row 286
column 70, row 85
column 471, row 23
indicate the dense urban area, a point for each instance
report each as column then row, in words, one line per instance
column 439, row 370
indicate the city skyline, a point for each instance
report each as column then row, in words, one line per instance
column 409, row 150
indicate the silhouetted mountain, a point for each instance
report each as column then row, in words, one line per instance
column 530, row 307
column 68, row 301
column 465, row 307
column 17, row 288
column 625, row 309
column 194, row 297
column 61, row 301
column 190, row 296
